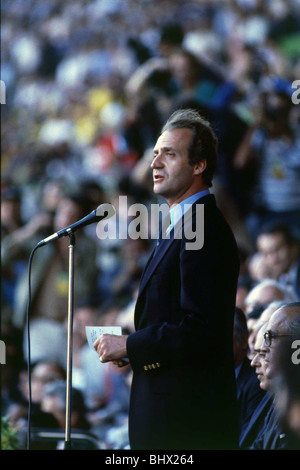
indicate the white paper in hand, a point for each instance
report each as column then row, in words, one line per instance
column 93, row 332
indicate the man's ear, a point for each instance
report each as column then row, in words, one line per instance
column 199, row 167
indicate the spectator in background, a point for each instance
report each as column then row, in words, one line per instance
column 259, row 299
column 49, row 274
column 50, row 269
column 273, row 145
column 256, row 268
column 260, row 316
column 287, row 383
column 15, row 234
column 256, row 425
column 42, row 374
column 266, row 292
column 278, row 326
column 11, row 216
column 280, row 251
column 17, row 416
column 11, row 371
column 171, row 38
column 249, row 393
column 54, row 402
column 200, row 81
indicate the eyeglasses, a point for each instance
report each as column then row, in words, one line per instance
column 268, row 335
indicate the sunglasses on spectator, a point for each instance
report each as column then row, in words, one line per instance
column 269, row 335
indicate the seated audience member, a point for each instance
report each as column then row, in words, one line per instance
column 43, row 373
column 287, row 383
column 279, row 326
column 256, row 424
column 12, row 338
column 252, row 324
column 262, row 317
column 49, row 276
column 54, row 402
column 266, row 292
column 249, row 393
column 256, row 268
column 17, row 416
column 270, row 149
column 11, row 222
column 280, row 251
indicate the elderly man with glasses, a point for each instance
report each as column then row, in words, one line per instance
column 256, row 424
column 279, row 326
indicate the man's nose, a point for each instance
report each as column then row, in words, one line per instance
column 254, row 361
column 156, row 162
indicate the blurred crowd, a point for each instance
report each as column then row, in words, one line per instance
column 88, row 85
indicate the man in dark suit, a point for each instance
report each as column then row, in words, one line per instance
column 249, row 392
column 281, row 325
column 183, row 389
column 257, row 423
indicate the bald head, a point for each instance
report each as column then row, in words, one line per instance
column 263, row 320
column 266, row 292
column 280, row 326
column 281, row 320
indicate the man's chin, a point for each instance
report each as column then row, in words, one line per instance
column 157, row 189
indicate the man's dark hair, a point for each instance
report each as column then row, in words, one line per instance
column 286, row 232
column 203, row 144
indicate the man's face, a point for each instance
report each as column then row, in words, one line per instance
column 173, row 176
column 277, row 326
column 258, row 360
column 278, row 255
column 253, row 330
column 41, row 375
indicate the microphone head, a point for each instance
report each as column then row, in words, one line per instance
column 105, row 210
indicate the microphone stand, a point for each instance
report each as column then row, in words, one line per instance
column 70, row 341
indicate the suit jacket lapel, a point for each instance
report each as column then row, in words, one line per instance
column 155, row 258
column 159, row 252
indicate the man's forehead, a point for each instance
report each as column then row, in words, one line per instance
column 277, row 320
column 172, row 137
column 266, row 241
column 260, row 338
column 281, row 316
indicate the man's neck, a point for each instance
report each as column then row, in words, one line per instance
column 186, row 195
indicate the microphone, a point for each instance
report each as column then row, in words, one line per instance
column 104, row 211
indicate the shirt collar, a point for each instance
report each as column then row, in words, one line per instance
column 179, row 210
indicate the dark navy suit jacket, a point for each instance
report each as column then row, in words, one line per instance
column 255, row 427
column 183, row 393
column 272, row 437
column 249, row 393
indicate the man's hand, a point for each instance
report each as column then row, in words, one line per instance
column 111, row 348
